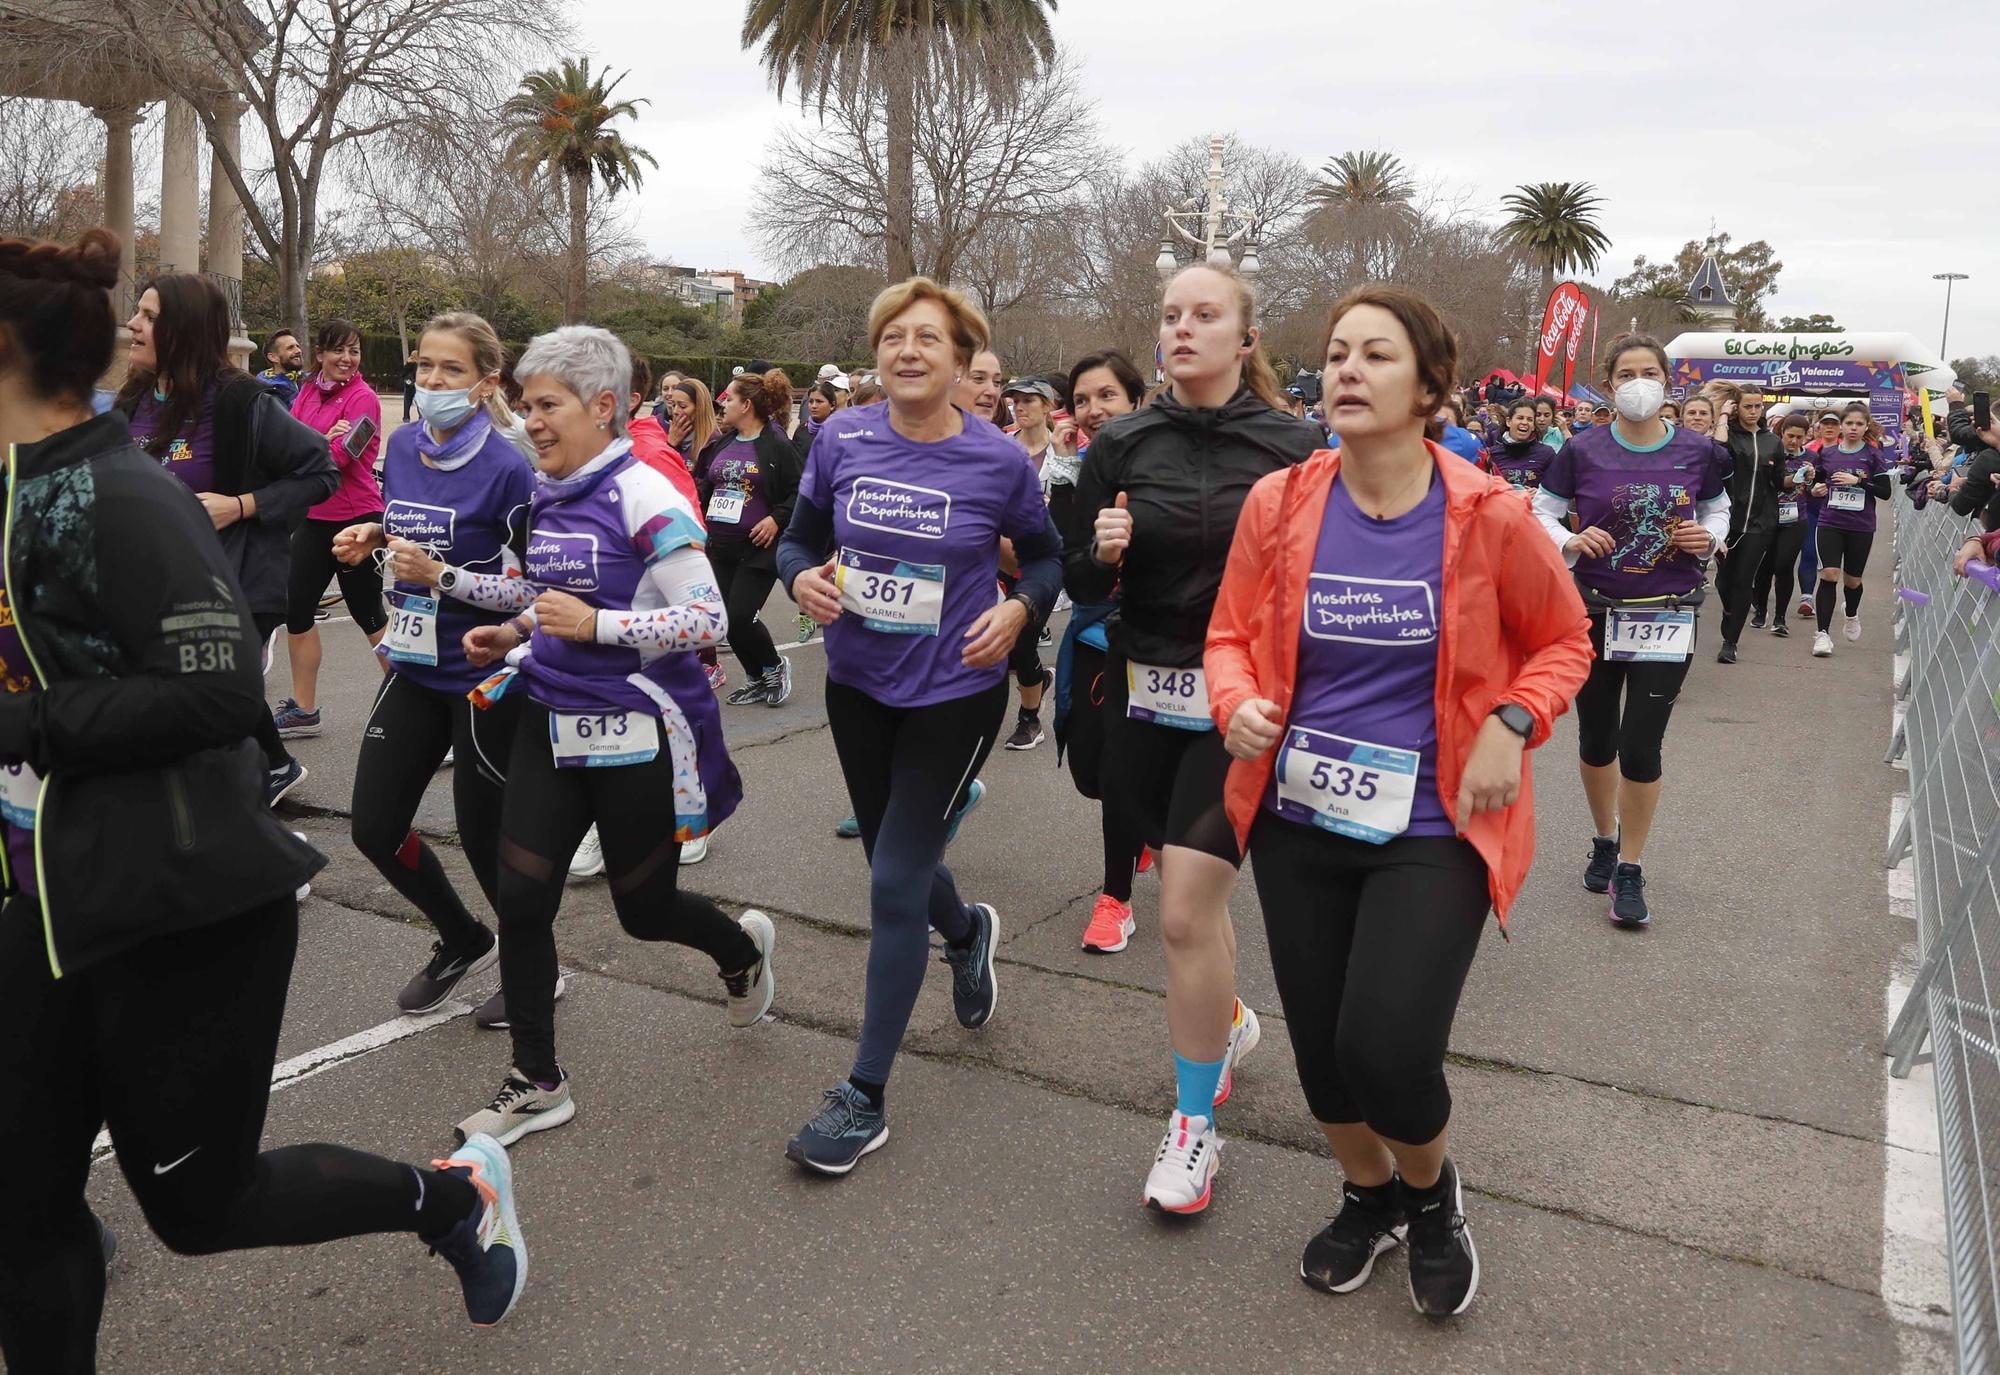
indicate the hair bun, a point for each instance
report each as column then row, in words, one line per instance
column 92, row 261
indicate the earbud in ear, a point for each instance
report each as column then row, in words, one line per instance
column 1247, row 340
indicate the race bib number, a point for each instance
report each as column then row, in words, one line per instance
column 890, row 596
column 725, row 504
column 1654, row 637
column 1846, row 499
column 20, row 795
column 603, row 739
column 413, row 629
column 1788, row 513
column 1349, row 787
column 1176, row 697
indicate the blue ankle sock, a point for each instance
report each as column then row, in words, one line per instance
column 1195, row 1083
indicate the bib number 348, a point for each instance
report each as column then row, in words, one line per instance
column 591, row 740
column 1176, row 697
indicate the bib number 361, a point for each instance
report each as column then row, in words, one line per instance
column 604, row 739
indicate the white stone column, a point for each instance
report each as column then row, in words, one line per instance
column 117, row 188
column 180, row 190
column 225, row 221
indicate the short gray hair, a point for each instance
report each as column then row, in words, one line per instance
column 585, row 359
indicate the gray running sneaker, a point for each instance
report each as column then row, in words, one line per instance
column 752, row 990
column 492, row 1014
column 778, row 683
column 521, row 1106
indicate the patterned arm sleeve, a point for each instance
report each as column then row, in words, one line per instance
column 692, row 617
column 506, row 590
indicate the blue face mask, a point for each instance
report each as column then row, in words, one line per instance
column 445, row 410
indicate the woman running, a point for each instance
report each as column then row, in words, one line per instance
column 1797, row 512
column 1387, row 805
column 1156, row 507
column 1698, row 414
column 1520, row 457
column 255, row 469
column 453, row 535
column 894, row 548
column 149, row 930
column 1652, row 506
column 1853, row 476
column 748, row 479
column 618, row 727
column 338, row 402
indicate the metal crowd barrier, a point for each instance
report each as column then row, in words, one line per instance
column 1950, row 733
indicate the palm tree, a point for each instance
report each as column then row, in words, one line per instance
column 1367, row 179
column 559, row 122
column 1555, row 222
column 889, row 45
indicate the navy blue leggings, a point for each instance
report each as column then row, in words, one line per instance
column 904, row 768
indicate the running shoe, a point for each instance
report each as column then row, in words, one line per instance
column 443, row 972
column 974, row 989
column 807, row 625
column 1757, row 620
column 1603, row 864
column 1244, row 1035
column 304, row 890
column 1147, row 856
column 694, row 852
column 1726, row 654
column 486, row 1248
column 1628, row 897
column 521, row 1106
column 279, row 781
column 1850, row 626
column 849, row 828
column 1110, row 927
column 1183, row 1173
column 1444, row 1266
column 717, row 679
column 588, row 861
column 492, row 1014
column 1062, row 603
column 294, row 722
column 974, row 795
column 778, row 683
column 751, row 693
column 1780, row 629
column 1027, row 731
column 1822, row 645
column 751, row 990
column 845, row 1129
column 1805, row 606
column 1370, row 1222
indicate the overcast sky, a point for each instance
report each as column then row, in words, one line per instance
column 1865, row 181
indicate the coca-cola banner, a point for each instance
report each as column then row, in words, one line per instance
column 1562, row 332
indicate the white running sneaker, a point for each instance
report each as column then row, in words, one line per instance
column 521, row 1106
column 1822, row 645
column 1851, row 628
column 694, row 851
column 1244, row 1034
column 1183, row 1172
column 588, row 861
column 304, row 890
column 751, row 992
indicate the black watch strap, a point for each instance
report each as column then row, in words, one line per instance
column 1516, row 718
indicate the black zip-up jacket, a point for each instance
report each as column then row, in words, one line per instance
column 782, row 470
column 1755, row 483
column 152, row 817
column 1185, row 473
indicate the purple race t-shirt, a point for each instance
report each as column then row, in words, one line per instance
column 17, row 804
column 918, row 526
column 1865, row 461
column 1521, row 464
column 1368, row 643
column 736, row 476
column 191, row 455
column 1639, row 496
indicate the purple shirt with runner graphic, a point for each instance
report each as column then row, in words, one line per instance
column 911, row 515
column 1638, row 496
column 735, row 470
column 1866, row 461
column 190, row 456
column 1368, row 642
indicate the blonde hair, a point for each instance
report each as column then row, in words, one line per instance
column 703, row 427
column 969, row 331
column 487, row 356
column 1257, row 374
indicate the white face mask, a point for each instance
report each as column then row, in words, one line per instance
column 1640, row 399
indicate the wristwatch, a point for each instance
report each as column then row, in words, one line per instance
column 1516, row 718
column 1027, row 604
column 448, row 579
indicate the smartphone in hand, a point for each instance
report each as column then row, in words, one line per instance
column 1982, row 410
column 356, row 439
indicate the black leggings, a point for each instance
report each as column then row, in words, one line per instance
column 1370, row 945
column 543, row 819
column 1737, row 578
column 170, row 1044
column 404, row 743
column 745, row 589
column 1164, row 782
column 1780, row 564
column 1844, row 551
column 1631, row 738
column 1121, row 841
column 276, row 756
column 314, row 566
column 905, row 768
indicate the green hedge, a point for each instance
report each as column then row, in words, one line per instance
column 382, row 365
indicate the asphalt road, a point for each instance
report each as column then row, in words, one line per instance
column 1673, row 1142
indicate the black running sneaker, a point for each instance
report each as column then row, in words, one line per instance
column 1444, row 1266
column 1756, row 620
column 751, row 693
column 1027, row 731
column 846, row 1128
column 492, row 1014
column 442, row 973
column 1628, row 898
column 1727, row 654
column 778, row 683
column 1780, row 629
column 281, row 780
column 1603, row 863
column 1340, row 1259
column 973, row 988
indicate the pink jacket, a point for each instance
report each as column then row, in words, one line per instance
column 358, row 493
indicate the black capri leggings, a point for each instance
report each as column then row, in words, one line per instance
column 543, row 819
column 1780, row 563
column 1628, row 734
column 1370, row 945
column 745, row 589
column 314, row 566
column 404, row 743
column 1122, row 842
column 1165, row 784
column 1846, row 550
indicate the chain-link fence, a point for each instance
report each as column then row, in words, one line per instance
column 1950, row 733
